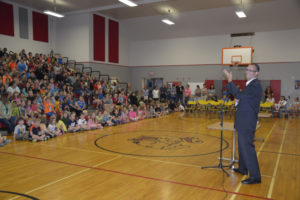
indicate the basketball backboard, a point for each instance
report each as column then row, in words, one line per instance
column 237, row 55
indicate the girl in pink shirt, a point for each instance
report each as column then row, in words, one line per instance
column 141, row 113
column 28, row 108
column 35, row 107
column 187, row 93
column 16, row 98
column 132, row 115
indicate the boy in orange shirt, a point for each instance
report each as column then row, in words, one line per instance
column 49, row 108
column 36, row 133
column 12, row 65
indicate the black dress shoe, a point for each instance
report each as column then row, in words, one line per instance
column 251, row 181
column 237, row 170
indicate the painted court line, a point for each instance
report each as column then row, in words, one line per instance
column 282, row 153
column 138, row 176
column 277, row 162
column 74, row 174
column 133, row 157
column 261, row 147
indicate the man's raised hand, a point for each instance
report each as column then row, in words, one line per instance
column 228, row 75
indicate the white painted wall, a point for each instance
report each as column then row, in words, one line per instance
column 124, row 44
column 275, row 46
column 16, row 44
column 73, row 37
column 178, row 51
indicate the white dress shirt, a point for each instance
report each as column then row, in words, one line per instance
column 247, row 83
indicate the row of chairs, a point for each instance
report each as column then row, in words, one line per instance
column 210, row 105
column 266, row 108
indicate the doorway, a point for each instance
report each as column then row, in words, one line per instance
column 152, row 82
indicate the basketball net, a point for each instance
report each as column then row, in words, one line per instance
column 235, row 65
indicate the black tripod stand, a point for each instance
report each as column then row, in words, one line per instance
column 220, row 165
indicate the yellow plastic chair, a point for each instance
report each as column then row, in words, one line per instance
column 191, row 105
column 202, row 105
column 213, row 105
column 266, row 107
column 229, row 106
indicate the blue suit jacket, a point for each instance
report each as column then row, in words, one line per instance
column 246, row 115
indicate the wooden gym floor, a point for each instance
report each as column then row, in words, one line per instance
column 154, row 159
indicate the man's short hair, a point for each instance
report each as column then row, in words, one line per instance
column 256, row 66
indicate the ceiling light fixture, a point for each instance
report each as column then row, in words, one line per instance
column 240, row 14
column 128, row 3
column 167, row 21
column 48, row 12
column 53, row 13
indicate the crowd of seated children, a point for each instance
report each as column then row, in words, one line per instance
column 49, row 98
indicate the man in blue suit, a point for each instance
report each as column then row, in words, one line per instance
column 246, row 118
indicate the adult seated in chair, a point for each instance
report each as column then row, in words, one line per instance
column 268, row 92
column 281, row 104
column 197, row 93
column 204, row 92
column 295, row 107
column 270, row 99
column 211, row 92
column 5, row 114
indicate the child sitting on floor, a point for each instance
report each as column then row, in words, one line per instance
column 116, row 117
column 107, row 119
column 124, row 116
column 157, row 110
column 132, row 115
column 45, row 130
column 36, row 133
column 151, row 112
column 141, row 112
column 82, row 123
column 3, row 140
column 73, row 126
column 65, row 119
column 20, row 132
column 61, row 125
column 53, row 129
column 92, row 123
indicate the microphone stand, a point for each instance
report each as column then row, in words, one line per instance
column 220, row 165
